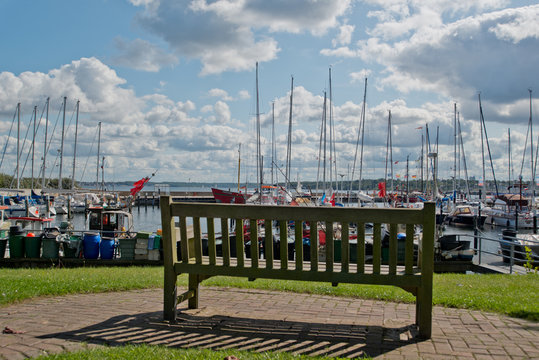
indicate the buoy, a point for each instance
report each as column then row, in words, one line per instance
column 30, row 234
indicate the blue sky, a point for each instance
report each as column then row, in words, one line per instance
column 173, row 82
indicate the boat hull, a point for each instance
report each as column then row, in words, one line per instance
column 228, row 197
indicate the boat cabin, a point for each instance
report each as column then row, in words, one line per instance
column 110, row 223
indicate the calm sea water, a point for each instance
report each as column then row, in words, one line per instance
column 144, row 219
column 149, row 219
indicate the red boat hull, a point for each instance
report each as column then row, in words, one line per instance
column 228, row 197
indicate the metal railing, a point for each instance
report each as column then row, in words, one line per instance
column 509, row 248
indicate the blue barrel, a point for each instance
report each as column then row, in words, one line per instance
column 107, row 248
column 90, row 245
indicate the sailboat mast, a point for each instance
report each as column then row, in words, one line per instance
column 272, row 142
column 289, row 143
column 34, row 144
column 75, row 146
column 422, row 143
column 407, row 179
column 363, row 114
column 45, row 147
column 531, row 152
column 324, row 131
column 483, row 196
column 455, row 155
column 258, row 152
column 390, row 149
column 98, row 151
column 239, row 165
column 18, row 142
column 509, row 153
column 62, row 146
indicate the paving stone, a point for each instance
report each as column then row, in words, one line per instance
column 296, row 323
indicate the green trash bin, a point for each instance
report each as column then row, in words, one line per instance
column 32, row 246
column 16, row 246
column 3, row 245
column 51, row 248
column 127, row 248
column 72, row 247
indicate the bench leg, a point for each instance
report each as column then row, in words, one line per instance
column 424, row 312
column 170, row 294
column 194, row 286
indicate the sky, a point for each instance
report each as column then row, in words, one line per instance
column 173, row 84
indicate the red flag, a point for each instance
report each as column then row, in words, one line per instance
column 382, row 188
column 332, row 200
column 138, row 185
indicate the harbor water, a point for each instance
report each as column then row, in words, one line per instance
column 148, row 218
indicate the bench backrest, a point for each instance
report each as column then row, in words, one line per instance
column 345, row 257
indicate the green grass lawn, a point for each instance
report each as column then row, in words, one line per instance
column 146, row 352
column 513, row 295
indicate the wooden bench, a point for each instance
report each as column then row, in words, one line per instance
column 201, row 259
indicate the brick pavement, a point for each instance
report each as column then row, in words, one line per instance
column 260, row 320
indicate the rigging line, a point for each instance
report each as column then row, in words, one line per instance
column 32, row 147
column 41, row 118
column 536, row 154
column 463, row 158
column 488, row 148
column 8, row 137
column 52, row 133
column 525, row 146
column 22, row 147
column 320, row 149
column 88, row 158
column 355, row 158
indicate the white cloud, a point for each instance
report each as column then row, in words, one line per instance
column 222, row 112
column 343, row 51
column 345, row 35
column 228, row 35
column 278, row 15
column 244, row 94
column 422, row 51
column 142, row 55
column 359, row 75
column 220, row 93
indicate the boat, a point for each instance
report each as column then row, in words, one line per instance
column 227, row 196
column 465, row 216
column 520, row 243
column 505, row 210
column 452, row 248
column 109, row 223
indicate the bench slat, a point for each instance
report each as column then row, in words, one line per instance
column 376, row 247
column 345, row 247
column 253, row 224
column 409, row 249
column 240, row 250
column 298, row 242
column 361, row 248
column 211, row 240
column 268, row 252
column 198, row 240
column 313, row 228
column 225, row 238
column 393, row 246
column 286, row 274
column 283, row 243
column 183, row 236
